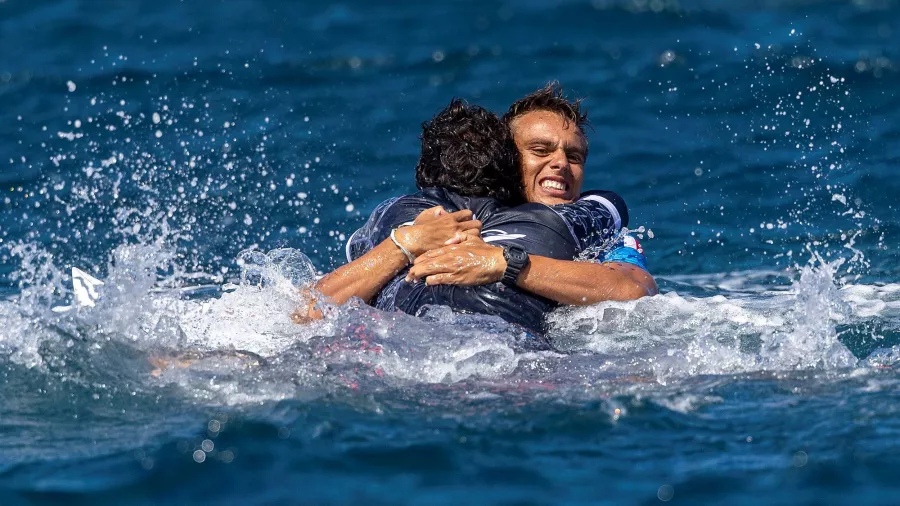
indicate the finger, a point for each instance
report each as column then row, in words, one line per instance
column 438, row 279
column 418, row 272
column 447, row 251
column 469, row 225
column 472, row 235
column 432, row 266
column 457, row 238
column 425, row 257
column 430, row 214
column 412, row 275
column 441, row 279
column 464, row 215
column 428, row 256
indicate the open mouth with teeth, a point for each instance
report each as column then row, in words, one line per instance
column 554, row 186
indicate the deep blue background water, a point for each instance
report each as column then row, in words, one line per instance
column 752, row 140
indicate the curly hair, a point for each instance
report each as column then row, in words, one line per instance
column 549, row 98
column 469, row 150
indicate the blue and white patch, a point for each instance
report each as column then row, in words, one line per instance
column 627, row 250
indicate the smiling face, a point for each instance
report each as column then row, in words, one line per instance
column 552, row 155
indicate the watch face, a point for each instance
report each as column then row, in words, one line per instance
column 516, row 260
column 516, row 255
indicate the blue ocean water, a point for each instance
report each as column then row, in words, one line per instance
column 169, row 147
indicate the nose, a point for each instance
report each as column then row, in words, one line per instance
column 560, row 160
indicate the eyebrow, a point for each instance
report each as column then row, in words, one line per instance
column 541, row 142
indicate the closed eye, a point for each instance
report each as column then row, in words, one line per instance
column 575, row 156
column 541, row 147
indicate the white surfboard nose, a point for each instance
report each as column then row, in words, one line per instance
column 84, row 287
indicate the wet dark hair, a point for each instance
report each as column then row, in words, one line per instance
column 469, row 151
column 550, row 98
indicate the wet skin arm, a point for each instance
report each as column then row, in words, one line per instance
column 585, row 283
column 365, row 276
column 361, row 278
column 368, row 274
column 565, row 281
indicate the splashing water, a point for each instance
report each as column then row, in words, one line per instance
column 663, row 339
column 670, row 336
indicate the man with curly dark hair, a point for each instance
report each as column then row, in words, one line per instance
column 469, row 151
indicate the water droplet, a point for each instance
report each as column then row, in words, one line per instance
column 665, row 493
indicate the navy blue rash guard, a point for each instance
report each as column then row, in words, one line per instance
column 561, row 232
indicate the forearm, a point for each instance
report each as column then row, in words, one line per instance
column 585, row 283
column 365, row 276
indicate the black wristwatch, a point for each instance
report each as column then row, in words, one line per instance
column 516, row 260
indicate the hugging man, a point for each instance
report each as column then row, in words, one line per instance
column 477, row 250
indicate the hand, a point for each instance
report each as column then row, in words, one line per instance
column 308, row 310
column 471, row 263
column 430, row 215
column 437, row 231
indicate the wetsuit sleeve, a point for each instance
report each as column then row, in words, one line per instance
column 595, row 219
column 389, row 215
column 627, row 250
column 362, row 241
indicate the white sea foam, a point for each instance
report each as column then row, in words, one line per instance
column 609, row 347
column 675, row 336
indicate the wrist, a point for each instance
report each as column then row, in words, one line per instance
column 401, row 239
column 410, row 236
column 499, row 266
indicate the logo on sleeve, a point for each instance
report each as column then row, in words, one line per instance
column 631, row 242
column 496, row 234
